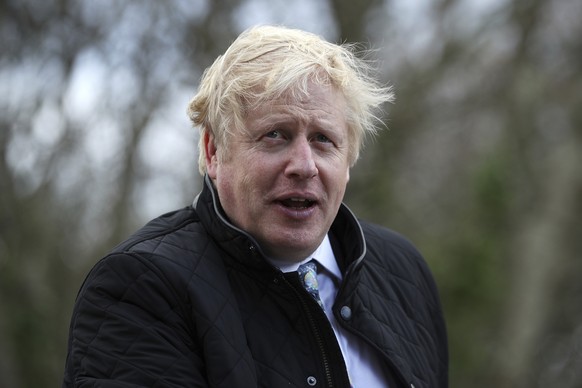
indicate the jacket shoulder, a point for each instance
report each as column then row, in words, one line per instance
column 160, row 228
column 156, row 301
column 391, row 248
column 395, row 256
column 402, row 282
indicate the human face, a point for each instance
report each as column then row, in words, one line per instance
column 282, row 180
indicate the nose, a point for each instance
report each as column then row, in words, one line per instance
column 301, row 163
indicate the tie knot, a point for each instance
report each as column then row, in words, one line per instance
column 308, row 276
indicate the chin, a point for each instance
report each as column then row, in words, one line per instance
column 295, row 252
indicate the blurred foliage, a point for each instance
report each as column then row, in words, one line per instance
column 481, row 165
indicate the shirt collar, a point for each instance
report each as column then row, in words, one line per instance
column 324, row 256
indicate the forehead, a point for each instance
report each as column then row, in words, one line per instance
column 315, row 102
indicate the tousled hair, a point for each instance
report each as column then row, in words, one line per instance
column 267, row 62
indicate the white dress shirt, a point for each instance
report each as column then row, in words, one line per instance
column 362, row 361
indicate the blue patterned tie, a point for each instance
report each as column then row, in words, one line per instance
column 308, row 276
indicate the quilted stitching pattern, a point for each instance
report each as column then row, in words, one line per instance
column 411, row 331
column 168, row 308
column 136, row 317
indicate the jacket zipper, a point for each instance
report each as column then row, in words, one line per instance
column 317, row 333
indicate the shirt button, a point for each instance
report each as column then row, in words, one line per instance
column 346, row 313
column 311, row 381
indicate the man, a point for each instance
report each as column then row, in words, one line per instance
column 213, row 294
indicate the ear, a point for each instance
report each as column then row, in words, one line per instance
column 210, row 153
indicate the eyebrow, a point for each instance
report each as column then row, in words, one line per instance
column 286, row 118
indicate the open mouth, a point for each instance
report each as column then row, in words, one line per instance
column 298, row 203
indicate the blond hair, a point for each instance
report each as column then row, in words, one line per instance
column 266, row 62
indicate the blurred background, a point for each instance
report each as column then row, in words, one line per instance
column 480, row 164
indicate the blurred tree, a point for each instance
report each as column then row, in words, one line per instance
column 352, row 18
column 481, row 166
column 483, row 169
column 82, row 85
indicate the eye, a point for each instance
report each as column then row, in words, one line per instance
column 322, row 138
column 273, row 134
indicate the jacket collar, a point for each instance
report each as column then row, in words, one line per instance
column 346, row 233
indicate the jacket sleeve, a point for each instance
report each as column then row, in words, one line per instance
column 130, row 329
column 440, row 330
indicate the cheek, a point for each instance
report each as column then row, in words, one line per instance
column 258, row 167
column 238, row 182
column 336, row 172
column 338, row 184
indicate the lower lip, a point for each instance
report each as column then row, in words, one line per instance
column 297, row 213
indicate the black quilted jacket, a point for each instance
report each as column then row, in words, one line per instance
column 189, row 301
